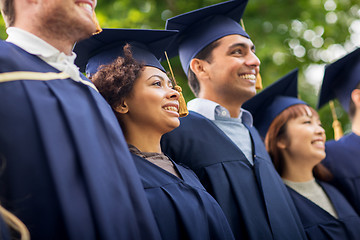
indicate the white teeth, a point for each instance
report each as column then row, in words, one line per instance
column 171, row 108
column 318, row 141
column 249, row 76
column 85, row 5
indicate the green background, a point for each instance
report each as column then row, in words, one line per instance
column 288, row 34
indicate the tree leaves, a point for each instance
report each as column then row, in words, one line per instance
column 287, row 34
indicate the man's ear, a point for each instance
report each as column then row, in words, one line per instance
column 122, row 108
column 355, row 96
column 199, row 67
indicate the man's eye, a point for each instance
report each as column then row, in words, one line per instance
column 237, row 51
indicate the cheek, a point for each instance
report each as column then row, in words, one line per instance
column 234, row 65
column 150, row 99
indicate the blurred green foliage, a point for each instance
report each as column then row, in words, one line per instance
column 304, row 34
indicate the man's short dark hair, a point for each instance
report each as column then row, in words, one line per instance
column 8, row 11
column 204, row 54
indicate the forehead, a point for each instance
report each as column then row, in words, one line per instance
column 149, row 71
column 235, row 39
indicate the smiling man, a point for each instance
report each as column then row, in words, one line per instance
column 217, row 139
column 66, row 170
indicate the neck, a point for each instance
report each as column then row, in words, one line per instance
column 145, row 141
column 232, row 106
column 234, row 110
column 63, row 42
column 297, row 171
column 63, row 45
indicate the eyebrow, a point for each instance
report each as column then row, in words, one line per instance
column 243, row 45
column 155, row 75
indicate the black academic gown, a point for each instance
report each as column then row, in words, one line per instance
column 343, row 160
column 65, row 167
column 4, row 230
column 253, row 198
column 182, row 207
column 320, row 225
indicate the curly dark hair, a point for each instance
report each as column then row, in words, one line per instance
column 115, row 81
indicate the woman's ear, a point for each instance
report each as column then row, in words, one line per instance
column 122, row 108
column 198, row 66
column 281, row 143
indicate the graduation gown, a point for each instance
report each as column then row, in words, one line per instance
column 182, row 207
column 66, row 169
column 342, row 159
column 320, row 225
column 253, row 198
column 4, row 230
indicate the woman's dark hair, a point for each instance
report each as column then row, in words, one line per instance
column 115, row 81
column 277, row 132
column 204, row 54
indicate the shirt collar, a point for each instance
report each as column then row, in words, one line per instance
column 209, row 109
column 36, row 46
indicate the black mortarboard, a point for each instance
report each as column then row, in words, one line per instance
column 200, row 27
column 147, row 47
column 269, row 103
column 340, row 79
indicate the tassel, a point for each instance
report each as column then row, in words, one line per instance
column 98, row 28
column 15, row 223
column 338, row 132
column 242, row 24
column 183, row 111
column 258, row 84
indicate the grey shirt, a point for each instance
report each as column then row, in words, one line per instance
column 234, row 128
column 315, row 193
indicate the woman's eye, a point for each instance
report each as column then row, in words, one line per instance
column 307, row 122
column 157, row 83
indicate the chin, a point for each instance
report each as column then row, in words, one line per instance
column 249, row 93
column 171, row 126
column 86, row 34
column 320, row 157
column 88, row 29
column 175, row 124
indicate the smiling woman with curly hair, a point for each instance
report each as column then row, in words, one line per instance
column 147, row 106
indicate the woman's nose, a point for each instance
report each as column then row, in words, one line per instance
column 320, row 130
column 173, row 94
